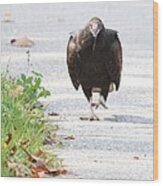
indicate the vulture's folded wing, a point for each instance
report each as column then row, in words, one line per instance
column 114, row 62
column 73, row 62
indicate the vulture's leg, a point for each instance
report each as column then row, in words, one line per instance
column 96, row 97
column 93, row 115
column 102, row 102
column 91, row 101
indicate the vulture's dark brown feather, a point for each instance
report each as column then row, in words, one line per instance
column 94, row 58
column 73, row 62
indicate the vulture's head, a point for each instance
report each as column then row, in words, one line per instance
column 95, row 26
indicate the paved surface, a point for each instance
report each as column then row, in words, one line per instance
column 120, row 146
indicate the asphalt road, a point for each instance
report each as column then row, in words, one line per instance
column 120, row 145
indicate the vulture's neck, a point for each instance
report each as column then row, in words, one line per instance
column 94, row 44
column 96, row 40
column 86, row 39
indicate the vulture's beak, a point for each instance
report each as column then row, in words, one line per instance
column 95, row 30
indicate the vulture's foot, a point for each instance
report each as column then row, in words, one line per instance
column 91, row 118
column 94, row 118
column 97, row 99
column 93, row 115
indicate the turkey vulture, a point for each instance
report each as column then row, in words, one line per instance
column 94, row 59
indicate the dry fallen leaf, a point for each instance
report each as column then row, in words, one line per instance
column 9, row 137
column 38, row 171
column 22, row 42
column 136, row 157
column 84, row 118
column 40, row 167
column 39, row 153
column 18, row 168
column 13, row 150
column 71, row 137
column 57, row 172
column 25, row 142
column 18, row 90
column 53, row 114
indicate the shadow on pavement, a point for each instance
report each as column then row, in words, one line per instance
column 129, row 119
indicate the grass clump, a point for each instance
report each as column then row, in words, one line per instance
column 24, row 128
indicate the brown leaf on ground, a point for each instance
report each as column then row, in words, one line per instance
column 57, row 172
column 71, row 137
column 25, row 142
column 9, row 137
column 18, row 90
column 22, row 42
column 7, row 17
column 53, row 114
column 38, row 172
column 18, row 168
column 40, row 166
column 136, row 157
column 56, row 127
column 39, row 153
column 84, row 118
column 13, row 150
column 51, row 139
column 31, row 157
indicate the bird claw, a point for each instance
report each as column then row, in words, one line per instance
column 96, row 104
column 94, row 118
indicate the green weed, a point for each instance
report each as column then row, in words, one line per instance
column 24, row 127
